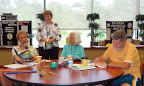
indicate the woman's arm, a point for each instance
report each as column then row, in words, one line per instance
column 18, row 59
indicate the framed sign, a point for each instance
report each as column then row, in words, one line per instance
column 27, row 27
column 112, row 26
column 9, row 27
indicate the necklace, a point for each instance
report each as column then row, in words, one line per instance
column 73, row 51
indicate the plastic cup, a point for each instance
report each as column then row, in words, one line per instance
column 69, row 56
column 61, row 59
column 39, row 58
column 84, row 61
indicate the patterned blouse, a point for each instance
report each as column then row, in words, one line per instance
column 32, row 50
column 48, row 31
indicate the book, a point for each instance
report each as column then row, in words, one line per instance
column 46, row 45
column 24, row 54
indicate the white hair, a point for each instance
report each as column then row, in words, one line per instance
column 77, row 37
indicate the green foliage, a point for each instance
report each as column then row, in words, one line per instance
column 93, row 25
column 141, row 26
column 140, row 17
column 140, row 20
column 40, row 16
column 92, row 17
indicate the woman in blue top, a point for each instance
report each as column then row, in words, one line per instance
column 73, row 48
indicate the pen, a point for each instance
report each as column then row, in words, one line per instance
column 21, row 72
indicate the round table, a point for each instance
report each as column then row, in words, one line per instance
column 67, row 77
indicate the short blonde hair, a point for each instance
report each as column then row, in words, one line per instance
column 47, row 12
column 77, row 37
column 19, row 33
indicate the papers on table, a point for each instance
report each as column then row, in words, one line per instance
column 45, row 60
column 20, row 65
column 92, row 64
column 15, row 66
column 80, row 67
column 31, row 63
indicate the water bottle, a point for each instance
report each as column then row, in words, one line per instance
column 67, row 40
column 70, row 62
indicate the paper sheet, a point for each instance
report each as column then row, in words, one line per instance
column 15, row 66
column 45, row 60
column 92, row 64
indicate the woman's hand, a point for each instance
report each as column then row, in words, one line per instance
column 44, row 40
column 33, row 59
column 51, row 40
column 22, row 61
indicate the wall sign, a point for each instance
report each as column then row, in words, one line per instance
column 112, row 26
column 9, row 27
column 27, row 27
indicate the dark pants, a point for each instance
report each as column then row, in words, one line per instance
column 50, row 53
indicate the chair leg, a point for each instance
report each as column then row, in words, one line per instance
column 142, row 80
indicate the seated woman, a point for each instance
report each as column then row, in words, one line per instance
column 23, row 52
column 73, row 48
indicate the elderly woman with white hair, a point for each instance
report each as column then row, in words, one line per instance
column 73, row 48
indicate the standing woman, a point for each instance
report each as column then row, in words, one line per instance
column 49, row 32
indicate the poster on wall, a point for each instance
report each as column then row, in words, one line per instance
column 9, row 27
column 27, row 27
column 112, row 26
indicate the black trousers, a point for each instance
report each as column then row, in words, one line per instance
column 50, row 53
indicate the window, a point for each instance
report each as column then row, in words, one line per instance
column 141, row 7
column 25, row 10
column 115, row 10
column 71, row 14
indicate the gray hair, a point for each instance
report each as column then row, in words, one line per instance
column 77, row 37
column 119, row 34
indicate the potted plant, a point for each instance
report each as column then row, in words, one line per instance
column 140, row 20
column 94, row 27
column 41, row 17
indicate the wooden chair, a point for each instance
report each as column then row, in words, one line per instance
column 4, row 80
column 141, row 71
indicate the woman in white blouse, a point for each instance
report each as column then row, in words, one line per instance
column 48, row 32
column 29, row 52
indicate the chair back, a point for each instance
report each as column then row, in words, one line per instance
column 141, row 71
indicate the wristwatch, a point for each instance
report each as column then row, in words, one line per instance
column 107, row 64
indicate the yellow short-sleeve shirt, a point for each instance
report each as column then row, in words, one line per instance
column 128, row 54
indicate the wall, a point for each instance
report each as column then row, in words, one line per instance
column 91, row 53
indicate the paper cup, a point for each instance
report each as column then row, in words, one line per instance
column 84, row 61
column 39, row 58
